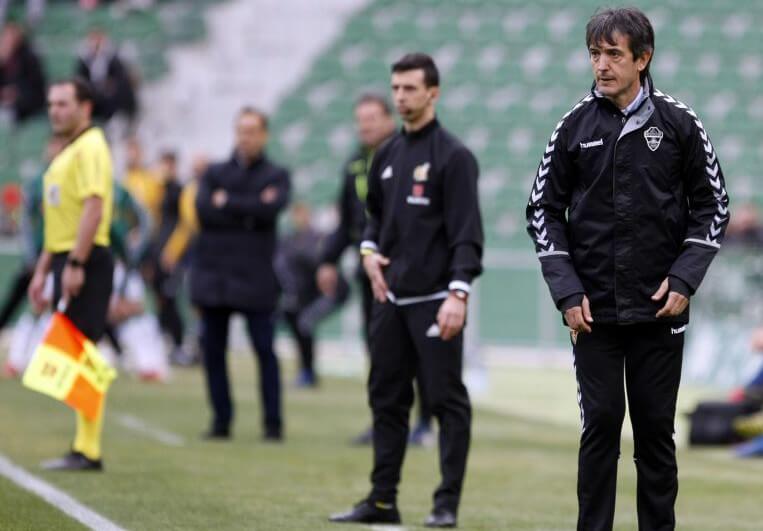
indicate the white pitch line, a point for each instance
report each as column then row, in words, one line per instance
column 140, row 426
column 55, row 497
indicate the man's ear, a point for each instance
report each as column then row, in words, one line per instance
column 643, row 61
column 434, row 94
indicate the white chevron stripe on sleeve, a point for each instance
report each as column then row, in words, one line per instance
column 545, row 247
column 712, row 170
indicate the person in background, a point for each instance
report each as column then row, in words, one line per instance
column 130, row 243
column 31, row 242
column 99, row 62
column 180, row 244
column 166, row 284
column 142, row 183
column 303, row 305
column 178, row 253
column 22, row 78
column 238, row 204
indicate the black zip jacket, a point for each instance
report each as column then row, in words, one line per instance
column 352, row 206
column 423, row 213
column 620, row 203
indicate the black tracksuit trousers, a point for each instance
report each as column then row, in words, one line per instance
column 649, row 355
column 401, row 350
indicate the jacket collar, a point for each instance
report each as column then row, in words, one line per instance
column 647, row 90
column 431, row 126
column 239, row 162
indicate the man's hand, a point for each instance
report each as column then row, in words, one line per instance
column 451, row 317
column 676, row 303
column 579, row 317
column 373, row 264
column 167, row 263
column 35, row 292
column 8, row 95
column 219, row 198
column 269, row 195
column 326, row 278
column 72, row 280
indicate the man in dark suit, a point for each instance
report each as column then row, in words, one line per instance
column 238, row 204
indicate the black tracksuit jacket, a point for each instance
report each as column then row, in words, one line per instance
column 423, row 213
column 620, row 203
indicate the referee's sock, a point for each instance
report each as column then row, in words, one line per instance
column 87, row 440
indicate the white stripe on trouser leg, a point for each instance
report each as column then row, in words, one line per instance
column 580, row 394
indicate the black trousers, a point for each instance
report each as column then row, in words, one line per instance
column 304, row 320
column 214, row 342
column 649, row 356
column 170, row 320
column 401, row 350
column 305, row 342
column 367, row 298
column 89, row 309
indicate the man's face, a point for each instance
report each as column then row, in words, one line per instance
column 199, row 165
column 251, row 135
column 614, row 67
column 168, row 169
column 67, row 115
column 10, row 38
column 96, row 40
column 300, row 217
column 372, row 123
column 411, row 95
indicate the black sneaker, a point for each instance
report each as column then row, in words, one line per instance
column 74, row 461
column 369, row 512
column 273, row 435
column 216, row 434
column 441, row 518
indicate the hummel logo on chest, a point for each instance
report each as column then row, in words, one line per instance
column 387, row 173
column 593, row 143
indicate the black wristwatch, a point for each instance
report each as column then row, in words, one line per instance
column 74, row 262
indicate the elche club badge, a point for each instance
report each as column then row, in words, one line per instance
column 420, row 176
column 421, row 173
column 653, row 137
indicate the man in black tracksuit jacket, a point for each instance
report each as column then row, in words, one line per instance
column 627, row 211
column 422, row 248
column 375, row 125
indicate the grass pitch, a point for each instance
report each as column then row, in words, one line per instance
column 521, row 474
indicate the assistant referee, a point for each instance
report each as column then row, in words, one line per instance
column 77, row 209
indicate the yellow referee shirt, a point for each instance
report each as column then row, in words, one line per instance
column 83, row 169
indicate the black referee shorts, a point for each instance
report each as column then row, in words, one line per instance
column 89, row 309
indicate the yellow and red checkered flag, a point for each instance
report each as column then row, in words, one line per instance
column 68, row 367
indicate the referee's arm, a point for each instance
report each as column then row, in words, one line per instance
column 73, row 277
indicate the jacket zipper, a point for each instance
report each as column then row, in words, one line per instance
column 614, row 205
